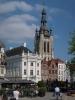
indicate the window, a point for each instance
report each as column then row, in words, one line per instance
column 31, row 63
column 59, row 66
column 2, row 71
column 52, row 66
column 59, row 78
column 31, row 72
column 44, row 46
column 1, row 56
column 48, row 47
column 24, row 71
column 24, row 63
column 55, row 71
column 62, row 72
column 37, row 64
column 18, row 73
column 59, row 72
column 37, row 72
column 52, row 71
column 49, row 71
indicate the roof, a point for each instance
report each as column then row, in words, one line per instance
column 52, row 60
column 57, row 60
column 16, row 81
column 17, row 51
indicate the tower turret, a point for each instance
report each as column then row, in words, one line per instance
column 43, row 18
column 43, row 28
column 36, row 41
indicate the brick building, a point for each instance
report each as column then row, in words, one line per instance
column 54, row 69
column 49, row 70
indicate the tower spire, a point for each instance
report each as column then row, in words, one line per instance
column 43, row 18
column 44, row 27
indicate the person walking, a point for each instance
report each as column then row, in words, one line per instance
column 57, row 92
column 16, row 94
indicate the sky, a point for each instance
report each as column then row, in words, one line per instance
column 19, row 19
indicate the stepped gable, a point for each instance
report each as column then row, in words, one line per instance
column 17, row 51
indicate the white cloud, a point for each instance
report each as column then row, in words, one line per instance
column 17, row 28
column 13, row 5
column 21, row 18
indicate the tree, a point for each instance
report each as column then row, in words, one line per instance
column 72, row 47
column 71, row 62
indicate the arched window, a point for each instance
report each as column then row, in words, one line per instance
column 48, row 47
column 44, row 46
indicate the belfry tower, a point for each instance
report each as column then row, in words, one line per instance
column 43, row 43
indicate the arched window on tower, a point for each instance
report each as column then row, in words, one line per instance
column 48, row 47
column 44, row 46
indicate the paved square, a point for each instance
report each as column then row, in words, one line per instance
column 49, row 96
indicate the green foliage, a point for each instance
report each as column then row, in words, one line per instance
column 42, row 88
column 2, row 91
column 72, row 44
column 42, row 91
column 71, row 49
column 41, row 84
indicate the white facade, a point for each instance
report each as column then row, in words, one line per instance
column 2, row 63
column 63, row 73
column 24, row 66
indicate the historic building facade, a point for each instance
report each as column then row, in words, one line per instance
column 44, row 70
column 54, row 69
column 2, row 61
column 23, row 64
column 44, row 39
column 49, row 70
column 62, row 71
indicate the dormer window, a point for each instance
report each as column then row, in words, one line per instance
column 31, row 63
column 24, row 63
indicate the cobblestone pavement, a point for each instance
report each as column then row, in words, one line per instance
column 49, row 96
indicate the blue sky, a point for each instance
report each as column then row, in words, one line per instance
column 19, row 18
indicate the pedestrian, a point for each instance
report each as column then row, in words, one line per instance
column 57, row 90
column 16, row 94
column 4, row 96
